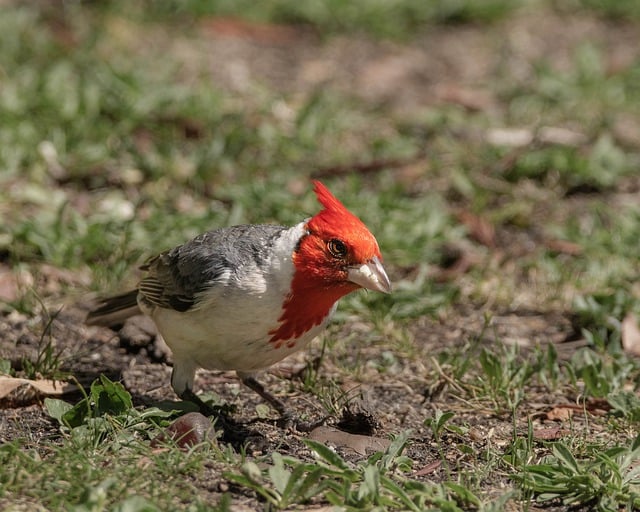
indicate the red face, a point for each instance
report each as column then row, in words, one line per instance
column 337, row 256
column 326, row 255
column 337, row 241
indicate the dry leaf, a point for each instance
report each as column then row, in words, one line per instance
column 8, row 286
column 357, row 443
column 563, row 247
column 269, row 33
column 12, row 282
column 429, row 468
column 630, row 335
column 594, row 406
column 45, row 386
column 561, row 136
column 510, row 137
column 521, row 137
column 471, row 99
column 480, row 229
column 18, row 392
column 550, row 434
column 560, row 414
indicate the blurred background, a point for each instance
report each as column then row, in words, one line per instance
column 128, row 127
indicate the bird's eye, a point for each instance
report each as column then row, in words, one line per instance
column 337, row 248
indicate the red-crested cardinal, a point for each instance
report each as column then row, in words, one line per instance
column 245, row 297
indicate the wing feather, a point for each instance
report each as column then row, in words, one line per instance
column 177, row 279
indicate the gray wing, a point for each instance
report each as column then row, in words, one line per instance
column 177, row 277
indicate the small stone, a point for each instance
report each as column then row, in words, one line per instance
column 190, row 429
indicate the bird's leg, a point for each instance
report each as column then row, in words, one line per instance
column 286, row 415
column 189, row 396
column 275, row 402
column 182, row 379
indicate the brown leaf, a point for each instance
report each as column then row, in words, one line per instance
column 144, row 462
column 8, row 286
column 560, row 413
column 471, row 99
column 594, row 406
column 12, row 282
column 17, row 392
column 229, row 26
column 45, row 386
column 550, row 434
column 564, row 247
column 631, row 335
column 362, row 445
column 480, row 229
column 429, row 468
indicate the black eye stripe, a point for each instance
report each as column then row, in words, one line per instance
column 337, row 248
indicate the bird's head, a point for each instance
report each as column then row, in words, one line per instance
column 336, row 256
column 338, row 252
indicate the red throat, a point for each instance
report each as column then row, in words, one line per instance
column 306, row 307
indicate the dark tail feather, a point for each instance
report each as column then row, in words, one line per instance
column 114, row 310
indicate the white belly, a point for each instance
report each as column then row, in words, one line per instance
column 227, row 340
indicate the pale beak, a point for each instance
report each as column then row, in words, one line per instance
column 371, row 276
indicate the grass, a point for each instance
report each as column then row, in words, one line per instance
column 111, row 150
column 607, row 481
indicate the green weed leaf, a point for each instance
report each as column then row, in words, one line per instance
column 326, row 454
column 564, row 455
column 57, row 408
column 110, row 397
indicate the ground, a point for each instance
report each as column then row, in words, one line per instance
column 495, row 161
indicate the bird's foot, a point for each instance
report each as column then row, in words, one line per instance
column 288, row 422
column 213, row 411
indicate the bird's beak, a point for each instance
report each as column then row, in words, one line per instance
column 370, row 275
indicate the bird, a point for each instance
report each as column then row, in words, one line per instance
column 245, row 297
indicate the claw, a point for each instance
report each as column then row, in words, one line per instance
column 304, row 426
